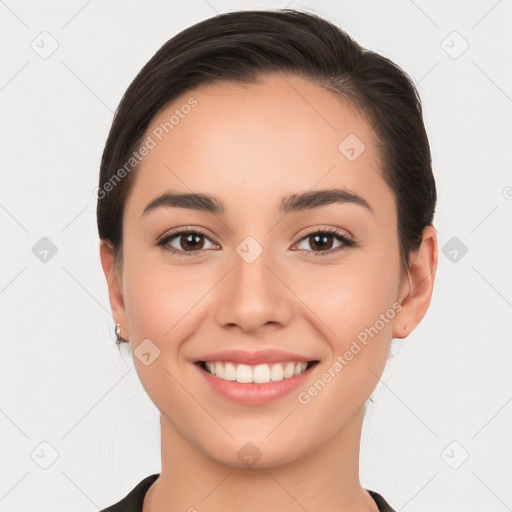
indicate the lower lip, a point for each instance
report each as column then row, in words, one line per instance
column 253, row 393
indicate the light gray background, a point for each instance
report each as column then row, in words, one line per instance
column 63, row 381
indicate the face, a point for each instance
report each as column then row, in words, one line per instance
column 320, row 280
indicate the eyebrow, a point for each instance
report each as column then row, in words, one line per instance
column 293, row 203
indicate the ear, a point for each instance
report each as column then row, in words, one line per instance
column 421, row 272
column 115, row 287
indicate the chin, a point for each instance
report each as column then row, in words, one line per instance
column 260, row 453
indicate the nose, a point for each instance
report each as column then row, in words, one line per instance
column 254, row 295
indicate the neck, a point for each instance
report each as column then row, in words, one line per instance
column 326, row 479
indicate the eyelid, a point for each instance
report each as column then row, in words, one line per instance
column 312, row 230
column 174, row 233
column 347, row 240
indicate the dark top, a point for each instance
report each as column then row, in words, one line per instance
column 132, row 502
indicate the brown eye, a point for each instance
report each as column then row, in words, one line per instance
column 191, row 241
column 322, row 242
column 187, row 241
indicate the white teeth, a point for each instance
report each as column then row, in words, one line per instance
column 289, row 370
column 300, row 368
column 211, row 367
column 260, row 374
column 243, row 373
column 277, row 372
column 229, row 371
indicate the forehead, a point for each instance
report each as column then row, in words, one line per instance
column 250, row 145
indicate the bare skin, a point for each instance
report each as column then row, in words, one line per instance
column 251, row 146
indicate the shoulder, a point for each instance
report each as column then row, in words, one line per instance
column 383, row 505
column 132, row 502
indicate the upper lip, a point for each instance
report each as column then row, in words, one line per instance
column 254, row 358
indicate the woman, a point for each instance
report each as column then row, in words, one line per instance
column 265, row 211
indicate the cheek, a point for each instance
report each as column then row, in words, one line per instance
column 159, row 297
column 149, row 304
column 352, row 297
column 354, row 305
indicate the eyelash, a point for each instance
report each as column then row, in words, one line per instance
column 346, row 241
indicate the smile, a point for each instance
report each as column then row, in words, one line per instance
column 258, row 374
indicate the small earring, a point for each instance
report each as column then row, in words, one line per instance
column 118, row 334
column 406, row 328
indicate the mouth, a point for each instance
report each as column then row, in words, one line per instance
column 256, row 374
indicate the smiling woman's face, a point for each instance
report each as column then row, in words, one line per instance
column 259, row 277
